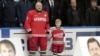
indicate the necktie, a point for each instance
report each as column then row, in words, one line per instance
column 52, row 8
column 52, row 4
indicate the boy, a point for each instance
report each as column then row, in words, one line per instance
column 57, row 36
column 7, row 48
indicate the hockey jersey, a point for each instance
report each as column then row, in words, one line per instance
column 57, row 35
column 37, row 22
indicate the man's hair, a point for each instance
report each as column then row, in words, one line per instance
column 7, row 43
column 93, row 0
column 90, row 40
column 38, row 2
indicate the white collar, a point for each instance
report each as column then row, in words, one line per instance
column 50, row 2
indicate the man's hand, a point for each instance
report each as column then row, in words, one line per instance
column 30, row 35
column 48, row 37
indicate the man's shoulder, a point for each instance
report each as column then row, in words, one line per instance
column 31, row 11
column 44, row 11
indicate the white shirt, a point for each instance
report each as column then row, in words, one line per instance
column 51, row 2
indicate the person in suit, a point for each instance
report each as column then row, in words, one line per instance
column 74, row 15
column 52, row 9
column 23, row 7
column 9, row 15
column 93, row 14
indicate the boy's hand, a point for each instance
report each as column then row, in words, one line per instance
column 48, row 35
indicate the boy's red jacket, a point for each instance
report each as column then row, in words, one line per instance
column 57, row 34
column 37, row 22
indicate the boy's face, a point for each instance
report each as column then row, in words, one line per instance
column 6, row 50
column 58, row 23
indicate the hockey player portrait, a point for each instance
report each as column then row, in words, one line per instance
column 37, row 26
column 7, row 48
column 93, row 47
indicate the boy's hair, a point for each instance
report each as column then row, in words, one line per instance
column 7, row 43
column 58, row 20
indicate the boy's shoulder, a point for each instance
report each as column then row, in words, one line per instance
column 62, row 28
column 54, row 28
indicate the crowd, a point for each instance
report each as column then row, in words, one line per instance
column 72, row 13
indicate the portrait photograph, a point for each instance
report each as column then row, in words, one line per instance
column 11, row 47
column 87, row 46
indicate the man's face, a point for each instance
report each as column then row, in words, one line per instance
column 94, row 49
column 6, row 50
column 38, row 6
column 94, row 4
column 73, row 4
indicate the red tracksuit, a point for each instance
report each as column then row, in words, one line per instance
column 38, row 23
column 58, row 44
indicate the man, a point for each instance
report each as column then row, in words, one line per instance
column 93, row 14
column 9, row 14
column 37, row 26
column 52, row 8
column 23, row 7
column 73, row 15
column 7, row 48
column 93, row 47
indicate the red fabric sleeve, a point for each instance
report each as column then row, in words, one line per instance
column 47, row 23
column 28, row 22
